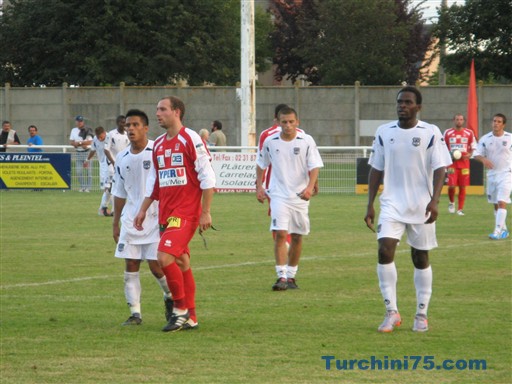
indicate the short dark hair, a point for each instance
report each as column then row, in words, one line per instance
column 139, row 113
column 217, row 124
column 502, row 116
column 176, row 103
column 278, row 108
column 99, row 130
column 417, row 93
column 6, row 122
column 119, row 118
column 287, row 111
column 32, row 126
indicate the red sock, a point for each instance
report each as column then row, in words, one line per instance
column 462, row 197
column 174, row 278
column 451, row 194
column 190, row 293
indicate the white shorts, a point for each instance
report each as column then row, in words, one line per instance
column 106, row 175
column 287, row 218
column 137, row 251
column 419, row 236
column 499, row 187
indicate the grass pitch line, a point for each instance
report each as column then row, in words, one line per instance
column 235, row 265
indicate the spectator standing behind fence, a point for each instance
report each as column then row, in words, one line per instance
column 296, row 164
column 217, row 137
column 494, row 151
column 106, row 168
column 8, row 136
column 34, row 139
column 133, row 167
column 205, row 135
column 409, row 157
column 81, row 138
column 463, row 140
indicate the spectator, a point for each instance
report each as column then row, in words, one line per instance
column 81, row 138
column 205, row 135
column 34, row 139
column 8, row 136
column 217, row 137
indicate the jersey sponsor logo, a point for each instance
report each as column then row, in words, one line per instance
column 177, row 147
column 146, row 164
column 416, row 141
column 161, row 161
column 177, row 159
column 174, row 222
column 464, row 140
column 172, row 177
column 200, row 149
column 167, row 153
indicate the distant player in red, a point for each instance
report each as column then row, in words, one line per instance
column 464, row 140
column 183, row 182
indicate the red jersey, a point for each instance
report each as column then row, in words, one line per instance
column 464, row 141
column 183, row 170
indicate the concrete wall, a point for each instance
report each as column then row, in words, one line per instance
column 332, row 115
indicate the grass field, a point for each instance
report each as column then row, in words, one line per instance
column 62, row 300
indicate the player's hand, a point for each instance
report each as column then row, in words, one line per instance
column 86, row 163
column 260, row 194
column 116, row 232
column 305, row 194
column 369, row 219
column 316, row 189
column 139, row 219
column 205, row 221
column 431, row 212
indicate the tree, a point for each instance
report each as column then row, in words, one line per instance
column 144, row 42
column 335, row 42
column 479, row 30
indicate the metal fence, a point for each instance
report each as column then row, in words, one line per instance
column 338, row 176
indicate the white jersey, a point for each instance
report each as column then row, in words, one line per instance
column 99, row 147
column 131, row 173
column 116, row 142
column 498, row 149
column 408, row 158
column 291, row 163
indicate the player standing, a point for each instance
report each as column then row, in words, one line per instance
column 133, row 167
column 409, row 157
column 462, row 139
column 494, row 151
column 296, row 164
column 184, row 185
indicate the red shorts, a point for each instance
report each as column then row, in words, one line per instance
column 175, row 237
column 458, row 177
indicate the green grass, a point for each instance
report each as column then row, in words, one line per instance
column 62, row 299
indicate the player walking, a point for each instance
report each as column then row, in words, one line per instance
column 184, row 185
column 133, row 167
column 462, row 139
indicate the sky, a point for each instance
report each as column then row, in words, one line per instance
column 430, row 7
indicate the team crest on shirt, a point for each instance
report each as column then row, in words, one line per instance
column 167, row 153
column 296, row 150
column 177, row 147
column 416, row 141
column 177, row 159
column 120, row 247
column 146, row 164
column 161, row 161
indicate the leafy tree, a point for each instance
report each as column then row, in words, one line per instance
column 145, row 42
column 335, row 42
column 479, row 30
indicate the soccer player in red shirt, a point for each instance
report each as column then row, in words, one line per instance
column 464, row 140
column 183, row 183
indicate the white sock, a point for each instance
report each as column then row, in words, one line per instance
column 291, row 271
column 104, row 200
column 501, row 217
column 132, row 290
column 162, row 282
column 423, row 284
column 387, row 284
column 281, row 271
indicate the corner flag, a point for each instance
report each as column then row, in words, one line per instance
column 472, row 115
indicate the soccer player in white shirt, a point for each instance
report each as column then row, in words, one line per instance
column 410, row 157
column 106, row 168
column 116, row 141
column 494, row 151
column 133, row 166
column 296, row 163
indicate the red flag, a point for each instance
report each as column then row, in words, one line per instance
column 472, row 115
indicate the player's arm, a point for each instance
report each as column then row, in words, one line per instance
column 260, row 191
column 109, row 156
column 374, row 181
column 432, row 210
column 118, row 208
column 205, row 220
column 141, row 215
column 485, row 161
column 309, row 191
